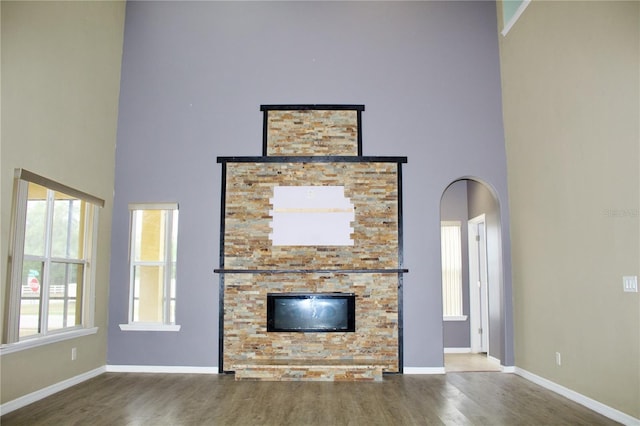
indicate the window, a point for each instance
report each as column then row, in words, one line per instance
column 511, row 12
column 152, row 262
column 451, row 271
column 51, row 272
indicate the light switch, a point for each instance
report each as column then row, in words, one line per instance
column 630, row 283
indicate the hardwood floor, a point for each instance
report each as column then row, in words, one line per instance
column 175, row 399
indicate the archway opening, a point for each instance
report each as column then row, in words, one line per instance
column 471, row 276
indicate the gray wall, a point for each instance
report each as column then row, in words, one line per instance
column 193, row 77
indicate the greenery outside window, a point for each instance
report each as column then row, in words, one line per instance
column 50, row 260
column 152, row 267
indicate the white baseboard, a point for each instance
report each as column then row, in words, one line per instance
column 423, row 370
column 25, row 400
column 160, row 369
column 493, row 359
column 574, row 396
column 457, row 350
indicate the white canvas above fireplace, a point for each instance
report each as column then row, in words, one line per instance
column 311, row 216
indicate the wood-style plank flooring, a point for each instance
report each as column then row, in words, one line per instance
column 469, row 362
column 175, row 399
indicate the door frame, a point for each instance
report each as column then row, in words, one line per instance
column 478, row 285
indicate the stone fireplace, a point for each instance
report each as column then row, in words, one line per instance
column 315, row 220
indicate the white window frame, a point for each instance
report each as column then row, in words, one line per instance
column 166, row 325
column 452, row 310
column 12, row 342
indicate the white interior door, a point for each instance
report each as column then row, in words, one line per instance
column 478, row 285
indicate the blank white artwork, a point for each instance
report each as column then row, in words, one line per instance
column 311, row 216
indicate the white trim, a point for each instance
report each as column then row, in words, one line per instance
column 424, row 370
column 140, row 326
column 25, row 400
column 450, row 223
column 130, row 260
column 493, row 359
column 508, row 369
column 89, row 309
column 478, row 284
column 153, row 206
column 16, row 255
column 26, row 175
column 457, row 350
column 166, row 369
column 515, row 17
column 10, row 348
column 455, row 318
column 574, row 396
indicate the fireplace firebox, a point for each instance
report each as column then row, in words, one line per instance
column 311, row 312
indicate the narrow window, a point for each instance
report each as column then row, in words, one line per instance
column 451, row 270
column 154, row 238
column 53, row 242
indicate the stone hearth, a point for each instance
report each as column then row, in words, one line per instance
column 318, row 370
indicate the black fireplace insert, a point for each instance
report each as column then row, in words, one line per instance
column 311, row 312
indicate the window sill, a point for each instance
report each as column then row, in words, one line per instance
column 455, row 318
column 141, row 326
column 10, row 348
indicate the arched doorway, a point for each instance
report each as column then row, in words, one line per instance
column 471, row 276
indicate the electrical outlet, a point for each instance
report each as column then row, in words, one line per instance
column 558, row 359
column 630, row 283
column 74, row 354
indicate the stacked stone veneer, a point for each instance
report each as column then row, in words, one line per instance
column 311, row 371
column 312, row 132
column 372, row 188
column 375, row 339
